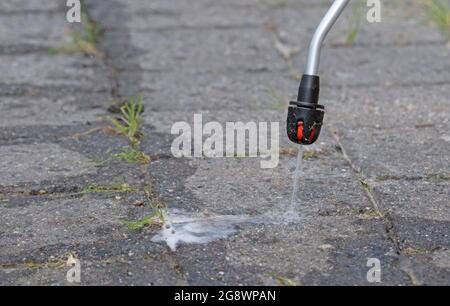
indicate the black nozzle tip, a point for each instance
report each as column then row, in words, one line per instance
column 305, row 116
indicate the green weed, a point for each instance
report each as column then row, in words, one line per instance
column 439, row 13
column 83, row 41
column 130, row 122
column 284, row 281
column 354, row 24
column 310, row 154
column 132, row 156
column 114, row 187
column 157, row 218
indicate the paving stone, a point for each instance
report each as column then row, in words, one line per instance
column 389, row 107
column 29, row 110
column 380, row 66
column 53, row 70
column 25, row 163
column 22, row 5
column 349, row 259
column 61, row 221
column 212, row 51
column 405, row 198
column 235, row 186
column 401, row 24
column 108, row 272
column 386, row 153
column 199, row 14
column 427, row 274
column 250, row 89
column 298, row 252
column 22, row 29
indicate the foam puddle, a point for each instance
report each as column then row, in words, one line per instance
column 190, row 229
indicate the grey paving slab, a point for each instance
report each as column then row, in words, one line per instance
column 419, row 212
column 67, row 221
column 426, row 198
column 428, row 274
column 21, row 5
column 198, row 15
column 54, row 70
column 22, row 30
column 62, row 110
column 379, row 66
column 25, row 163
column 405, row 152
column 109, row 272
column 251, row 89
column 212, row 51
column 315, row 252
column 220, row 59
column 389, row 107
column 401, row 24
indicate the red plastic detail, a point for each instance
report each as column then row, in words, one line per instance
column 300, row 131
column 312, row 135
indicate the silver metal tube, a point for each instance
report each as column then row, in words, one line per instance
column 319, row 36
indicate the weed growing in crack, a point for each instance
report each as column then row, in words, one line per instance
column 83, row 41
column 114, row 187
column 130, row 122
column 354, row 24
column 54, row 263
column 289, row 152
column 156, row 219
column 411, row 251
column 132, row 155
column 284, row 281
column 439, row 178
column 369, row 214
column 310, row 154
column 366, row 185
column 439, row 13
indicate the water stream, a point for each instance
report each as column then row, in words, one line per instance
column 295, row 187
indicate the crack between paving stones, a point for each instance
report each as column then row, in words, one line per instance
column 151, row 195
column 147, row 180
column 31, row 12
column 404, row 262
column 387, row 221
column 108, row 61
column 405, row 266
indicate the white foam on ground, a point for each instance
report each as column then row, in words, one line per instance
column 186, row 228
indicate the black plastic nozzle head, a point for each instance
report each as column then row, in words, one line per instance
column 305, row 116
column 304, row 123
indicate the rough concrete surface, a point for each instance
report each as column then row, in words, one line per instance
column 376, row 185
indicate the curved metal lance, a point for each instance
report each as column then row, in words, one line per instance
column 305, row 116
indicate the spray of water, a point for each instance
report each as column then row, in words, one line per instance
column 295, row 187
